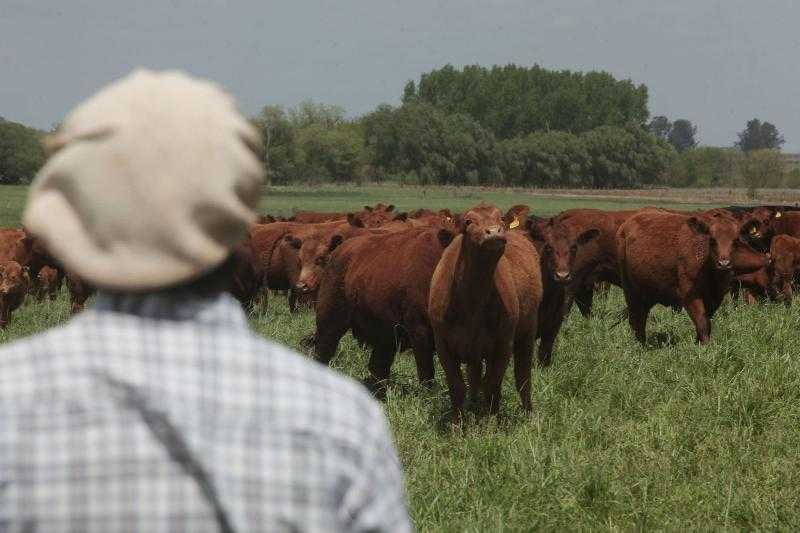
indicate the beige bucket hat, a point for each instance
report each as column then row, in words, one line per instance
column 151, row 182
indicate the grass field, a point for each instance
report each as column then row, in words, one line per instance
column 670, row 436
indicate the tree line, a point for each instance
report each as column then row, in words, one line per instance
column 506, row 125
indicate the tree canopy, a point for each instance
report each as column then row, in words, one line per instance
column 759, row 135
column 21, row 152
column 513, row 100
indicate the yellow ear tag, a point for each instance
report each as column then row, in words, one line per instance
column 778, row 214
column 514, row 224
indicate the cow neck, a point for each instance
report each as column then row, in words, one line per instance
column 474, row 279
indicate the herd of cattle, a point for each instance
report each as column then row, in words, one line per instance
column 480, row 287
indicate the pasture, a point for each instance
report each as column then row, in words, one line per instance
column 669, row 436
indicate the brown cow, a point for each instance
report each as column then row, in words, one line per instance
column 678, row 261
column 247, row 277
column 596, row 262
column 483, row 305
column 558, row 245
column 79, row 291
column 20, row 246
column 47, row 283
column 14, row 284
column 785, row 252
column 377, row 287
column 787, row 223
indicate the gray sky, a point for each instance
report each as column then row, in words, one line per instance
column 717, row 63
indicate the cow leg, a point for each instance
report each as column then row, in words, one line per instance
column 495, row 370
column 523, row 359
column 697, row 312
column 584, row 295
column 380, row 367
column 475, row 378
column 454, row 378
column 292, row 301
column 548, row 338
column 5, row 314
column 637, row 318
column 422, row 344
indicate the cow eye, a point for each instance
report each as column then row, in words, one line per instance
column 467, row 222
column 548, row 249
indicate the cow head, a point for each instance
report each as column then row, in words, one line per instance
column 371, row 217
column 14, row 278
column 722, row 231
column 484, row 230
column 314, row 254
column 559, row 244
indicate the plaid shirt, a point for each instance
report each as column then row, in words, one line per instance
column 155, row 413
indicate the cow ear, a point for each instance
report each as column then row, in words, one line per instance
column 368, row 208
column 588, row 235
column 354, row 220
column 401, row 217
column 389, row 208
column 698, row 226
column 751, row 229
column 293, row 241
column 336, row 240
column 445, row 237
column 536, row 232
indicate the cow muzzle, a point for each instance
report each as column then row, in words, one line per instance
column 562, row 276
column 724, row 264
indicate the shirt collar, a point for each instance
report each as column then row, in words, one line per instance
column 217, row 309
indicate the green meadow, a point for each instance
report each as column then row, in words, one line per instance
column 670, row 436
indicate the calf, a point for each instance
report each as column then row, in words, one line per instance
column 678, row 261
column 79, row 291
column 597, row 262
column 557, row 244
column 14, row 284
column 483, row 305
column 47, row 283
column 377, row 287
column 785, row 252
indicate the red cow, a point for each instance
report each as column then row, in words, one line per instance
column 14, row 284
column 483, row 305
column 377, row 287
column 678, row 261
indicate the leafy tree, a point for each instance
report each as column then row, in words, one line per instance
column 512, row 101
column 660, row 126
column 705, row 167
column 308, row 113
column 625, row 157
column 545, row 159
column 21, row 152
column 763, row 168
column 280, row 149
column 681, row 135
column 435, row 146
column 759, row 135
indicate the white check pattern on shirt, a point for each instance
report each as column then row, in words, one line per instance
column 167, row 414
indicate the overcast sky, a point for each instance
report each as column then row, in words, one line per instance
column 717, row 63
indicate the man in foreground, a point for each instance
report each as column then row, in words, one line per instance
column 158, row 409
